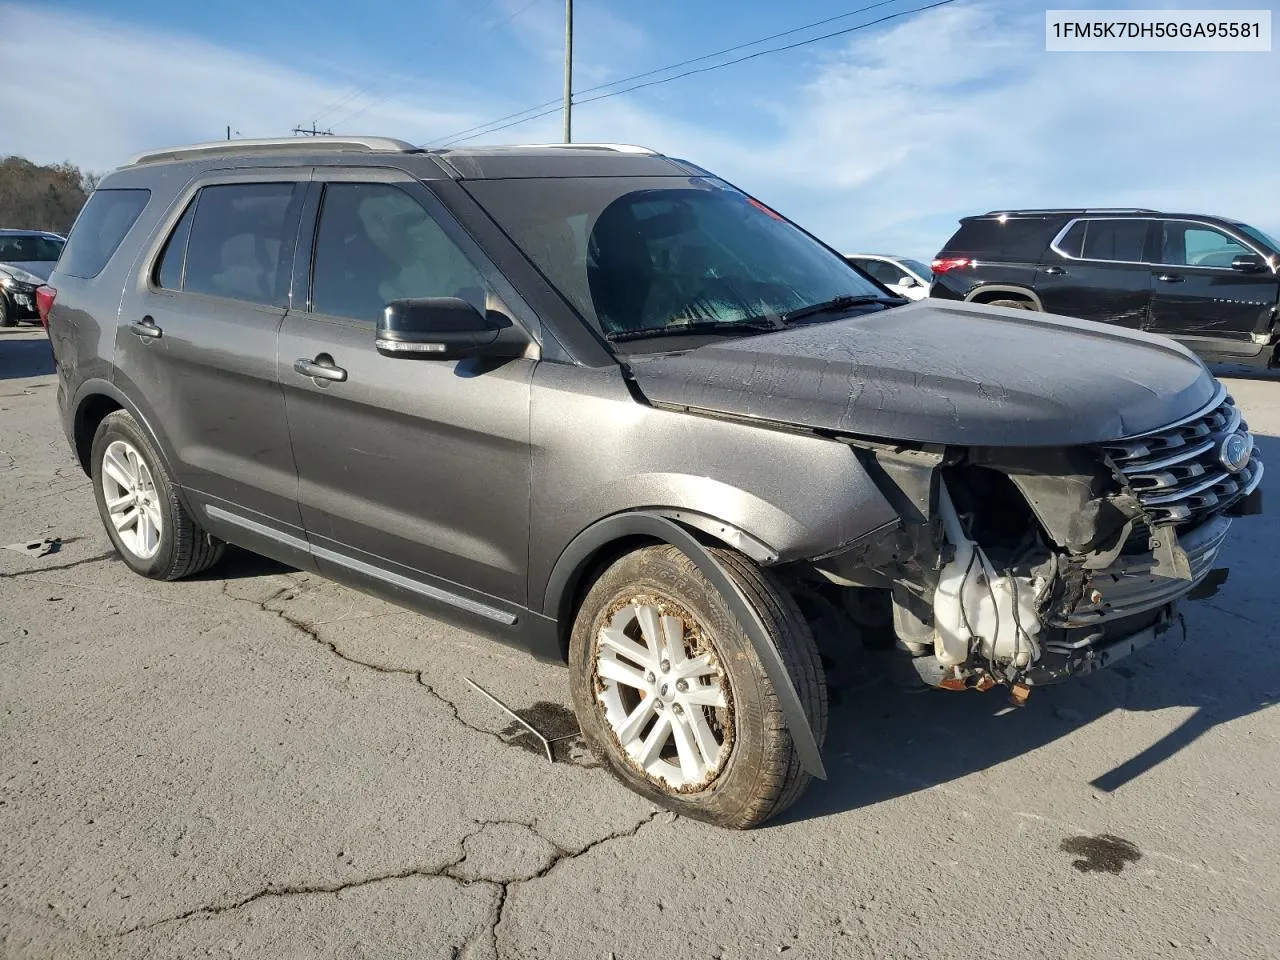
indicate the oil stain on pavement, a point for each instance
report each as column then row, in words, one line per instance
column 1101, row 854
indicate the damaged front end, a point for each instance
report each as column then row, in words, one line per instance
column 1025, row 566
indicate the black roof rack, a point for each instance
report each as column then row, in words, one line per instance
column 1046, row 210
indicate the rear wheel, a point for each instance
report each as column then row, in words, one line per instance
column 672, row 697
column 139, row 506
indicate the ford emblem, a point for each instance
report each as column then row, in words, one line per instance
column 1235, row 451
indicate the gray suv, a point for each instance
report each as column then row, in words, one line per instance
column 608, row 407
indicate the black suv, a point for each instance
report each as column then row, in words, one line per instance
column 1209, row 282
column 601, row 404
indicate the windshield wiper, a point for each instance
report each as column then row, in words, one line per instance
column 836, row 304
column 754, row 325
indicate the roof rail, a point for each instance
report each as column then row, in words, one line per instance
column 997, row 213
column 615, row 147
column 324, row 144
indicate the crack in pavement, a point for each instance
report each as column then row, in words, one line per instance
column 445, row 872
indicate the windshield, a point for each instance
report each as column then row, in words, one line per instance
column 29, row 248
column 636, row 254
column 1256, row 234
column 920, row 269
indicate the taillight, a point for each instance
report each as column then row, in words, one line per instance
column 943, row 264
column 44, row 303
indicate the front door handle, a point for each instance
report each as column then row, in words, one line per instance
column 321, row 368
column 1055, row 271
column 146, row 328
column 1170, row 277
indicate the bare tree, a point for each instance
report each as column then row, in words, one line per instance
column 37, row 197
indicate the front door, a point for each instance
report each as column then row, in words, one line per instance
column 413, row 473
column 1098, row 271
column 1198, row 296
column 196, row 347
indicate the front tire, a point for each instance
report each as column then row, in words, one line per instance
column 139, row 505
column 6, row 318
column 672, row 697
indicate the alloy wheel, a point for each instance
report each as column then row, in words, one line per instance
column 133, row 504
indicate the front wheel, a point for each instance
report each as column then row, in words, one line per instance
column 139, row 506
column 6, row 318
column 672, row 697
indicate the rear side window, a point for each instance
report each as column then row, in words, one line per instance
column 884, row 272
column 1072, row 242
column 1115, row 240
column 1017, row 238
column 240, row 245
column 169, row 271
column 106, row 218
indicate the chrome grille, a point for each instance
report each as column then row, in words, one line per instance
column 1176, row 472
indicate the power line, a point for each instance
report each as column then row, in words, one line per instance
column 676, row 66
column 451, row 141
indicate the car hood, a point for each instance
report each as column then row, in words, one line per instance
column 941, row 372
column 37, row 268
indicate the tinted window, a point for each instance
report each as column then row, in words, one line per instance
column 238, row 247
column 922, row 270
column 1193, row 245
column 647, row 253
column 21, row 249
column 102, row 224
column 376, row 243
column 882, row 271
column 1115, row 240
column 169, row 271
column 1017, row 238
column 1072, row 243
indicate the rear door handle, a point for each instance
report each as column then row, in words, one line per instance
column 146, row 328
column 321, row 368
column 1170, row 277
column 1055, row 271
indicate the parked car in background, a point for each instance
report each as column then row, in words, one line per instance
column 904, row 276
column 1208, row 282
column 26, row 259
column 599, row 403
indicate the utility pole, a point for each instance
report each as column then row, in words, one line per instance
column 568, row 71
column 312, row 132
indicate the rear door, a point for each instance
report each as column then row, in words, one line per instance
column 1197, row 293
column 196, row 348
column 1098, row 269
column 414, row 474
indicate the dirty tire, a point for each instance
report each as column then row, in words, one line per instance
column 185, row 548
column 1012, row 304
column 6, row 318
column 761, row 776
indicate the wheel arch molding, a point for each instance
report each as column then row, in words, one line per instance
column 658, row 526
column 88, row 398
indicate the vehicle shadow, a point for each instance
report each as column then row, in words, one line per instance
column 239, row 564
column 885, row 742
column 25, row 357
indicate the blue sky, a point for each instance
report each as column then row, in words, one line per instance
column 878, row 140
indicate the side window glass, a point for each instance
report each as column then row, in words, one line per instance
column 237, row 246
column 101, row 226
column 168, row 273
column 1121, row 240
column 376, row 244
column 1194, row 245
column 884, row 272
column 1072, row 242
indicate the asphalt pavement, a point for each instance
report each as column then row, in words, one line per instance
column 262, row 764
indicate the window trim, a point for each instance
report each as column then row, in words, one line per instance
column 184, row 198
column 513, row 305
column 1150, row 220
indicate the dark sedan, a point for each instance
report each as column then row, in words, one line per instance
column 26, row 260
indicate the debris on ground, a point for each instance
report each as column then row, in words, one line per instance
column 36, row 548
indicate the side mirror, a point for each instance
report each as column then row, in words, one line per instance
column 906, row 283
column 1249, row 263
column 435, row 328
